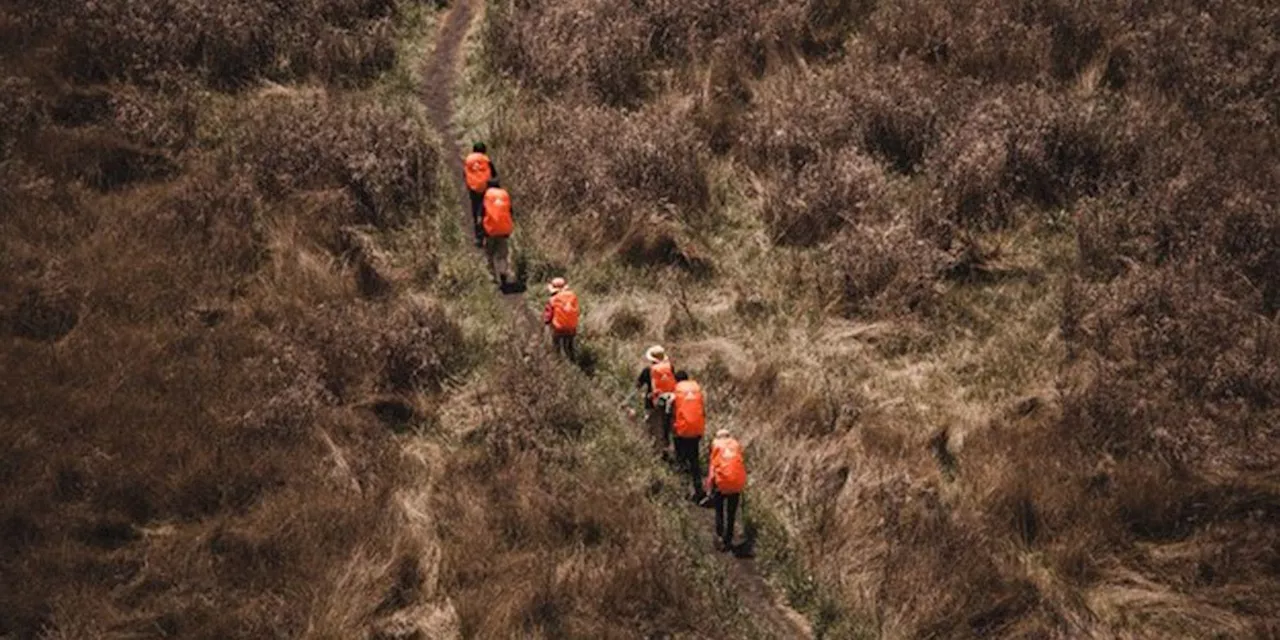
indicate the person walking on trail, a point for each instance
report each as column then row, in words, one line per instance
column 726, row 478
column 479, row 170
column 688, row 423
column 497, row 227
column 561, row 315
column 657, row 381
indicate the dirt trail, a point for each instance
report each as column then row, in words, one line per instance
column 772, row 613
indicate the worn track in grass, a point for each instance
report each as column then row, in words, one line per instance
column 770, row 612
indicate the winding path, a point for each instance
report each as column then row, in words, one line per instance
column 770, row 612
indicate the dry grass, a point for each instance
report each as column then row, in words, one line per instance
column 559, row 527
column 999, row 280
column 190, row 357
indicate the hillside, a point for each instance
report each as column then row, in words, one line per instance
column 198, row 333
column 255, row 384
column 991, row 289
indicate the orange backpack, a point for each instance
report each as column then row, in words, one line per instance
column 478, row 171
column 662, row 378
column 497, row 213
column 564, row 312
column 727, row 466
column 691, row 421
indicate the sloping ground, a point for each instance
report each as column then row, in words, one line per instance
column 990, row 289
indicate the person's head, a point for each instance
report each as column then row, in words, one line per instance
column 682, row 375
column 493, row 183
column 655, row 354
column 557, row 285
column 478, row 147
column 723, row 433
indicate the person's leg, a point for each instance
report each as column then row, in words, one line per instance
column 687, row 453
column 695, row 471
column 503, row 263
column 718, row 500
column 477, row 213
column 569, row 348
column 731, row 506
column 681, row 445
column 491, row 255
column 664, row 404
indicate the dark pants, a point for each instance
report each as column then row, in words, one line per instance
column 725, row 503
column 687, row 457
column 477, row 213
column 564, row 344
column 663, row 408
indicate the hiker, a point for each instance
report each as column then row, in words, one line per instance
column 657, row 381
column 561, row 314
column 479, row 170
column 497, row 227
column 726, row 478
column 688, row 423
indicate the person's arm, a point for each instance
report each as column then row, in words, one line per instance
column 547, row 313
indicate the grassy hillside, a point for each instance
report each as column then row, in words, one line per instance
column 990, row 290
column 255, row 381
column 201, row 335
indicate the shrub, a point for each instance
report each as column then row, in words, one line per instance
column 377, row 154
column 527, row 42
column 834, row 190
column 793, row 120
column 231, row 46
column 887, row 269
column 601, row 172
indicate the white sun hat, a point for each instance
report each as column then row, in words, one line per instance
column 556, row 285
column 655, row 353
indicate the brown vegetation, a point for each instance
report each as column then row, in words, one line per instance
column 557, row 526
column 186, row 445
column 884, row 154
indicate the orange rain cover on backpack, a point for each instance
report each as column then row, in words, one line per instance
column 728, row 469
column 690, row 420
column 497, row 213
column 564, row 312
column 478, row 171
column 662, row 378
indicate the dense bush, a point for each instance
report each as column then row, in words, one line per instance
column 375, row 152
column 346, row 42
column 887, row 269
column 830, row 192
column 600, row 176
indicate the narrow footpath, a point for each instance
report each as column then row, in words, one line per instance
column 770, row 611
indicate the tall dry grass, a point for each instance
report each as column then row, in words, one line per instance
column 557, row 527
column 191, row 365
column 878, row 160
